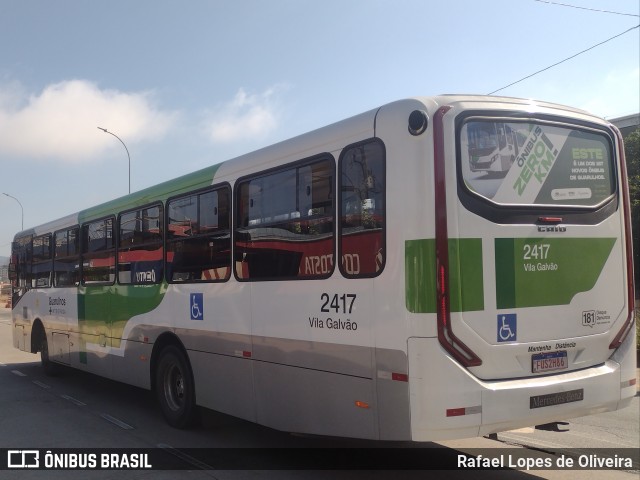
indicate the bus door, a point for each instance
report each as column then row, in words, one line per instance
column 537, row 258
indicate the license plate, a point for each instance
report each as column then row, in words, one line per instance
column 549, row 362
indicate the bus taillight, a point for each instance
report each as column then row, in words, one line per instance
column 447, row 339
column 629, row 323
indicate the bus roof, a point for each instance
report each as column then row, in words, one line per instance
column 340, row 131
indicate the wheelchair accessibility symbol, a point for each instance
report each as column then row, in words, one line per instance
column 197, row 306
column 507, row 327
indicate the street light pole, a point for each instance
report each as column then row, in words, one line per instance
column 125, row 147
column 21, row 208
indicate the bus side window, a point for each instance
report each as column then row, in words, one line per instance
column 66, row 264
column 41, row 266
column 98, row 252
column 362, row 209
column 285, row 222
column 140, row 251
column 198, row 237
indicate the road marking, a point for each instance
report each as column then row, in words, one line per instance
column 19, row 373
column 3, row 364
column 73, row 400
column 184, row 457
column 115, row 421
column 42, row 385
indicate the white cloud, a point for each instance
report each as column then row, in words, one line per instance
column 246, row 116
column 11, row 94
column 60, row 122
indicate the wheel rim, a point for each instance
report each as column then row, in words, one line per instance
column 174, row 387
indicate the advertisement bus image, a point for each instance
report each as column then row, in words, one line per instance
column 361, row 280
column 493, row 146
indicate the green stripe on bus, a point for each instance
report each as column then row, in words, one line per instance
column 465, row 275
column 420, row 275
column 105, row 310
column 193, row 181
column 505, row 270
column 533, row 272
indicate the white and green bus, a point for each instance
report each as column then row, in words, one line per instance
column 361, row 280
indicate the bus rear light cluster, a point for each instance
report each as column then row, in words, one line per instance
column 629, row 323
column 447, row 339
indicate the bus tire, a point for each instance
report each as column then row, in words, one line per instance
column 49, row 367
column 175, row 390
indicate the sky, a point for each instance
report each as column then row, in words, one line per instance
column 188, row 84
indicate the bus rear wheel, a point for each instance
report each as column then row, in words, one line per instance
column 175, row 389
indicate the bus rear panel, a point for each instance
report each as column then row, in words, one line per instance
column 533, row 293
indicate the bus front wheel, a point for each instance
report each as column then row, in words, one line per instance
column 175, row 389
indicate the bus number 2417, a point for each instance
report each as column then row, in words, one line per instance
column 337, row 303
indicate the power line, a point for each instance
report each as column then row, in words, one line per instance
column 590, row 9
column 566, row 59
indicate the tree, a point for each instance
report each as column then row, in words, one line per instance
column 632, row 154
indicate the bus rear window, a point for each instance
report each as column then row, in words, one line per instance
column 524, row 163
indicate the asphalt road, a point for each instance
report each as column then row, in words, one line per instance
column 75, row 410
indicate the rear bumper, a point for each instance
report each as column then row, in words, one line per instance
column 449, row 402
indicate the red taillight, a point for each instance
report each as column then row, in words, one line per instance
column 629, row 323
column 400, row 377
column 444, row 310
column 455, row 412
column 458, row 412
column 447, row 339
column 550, row 219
